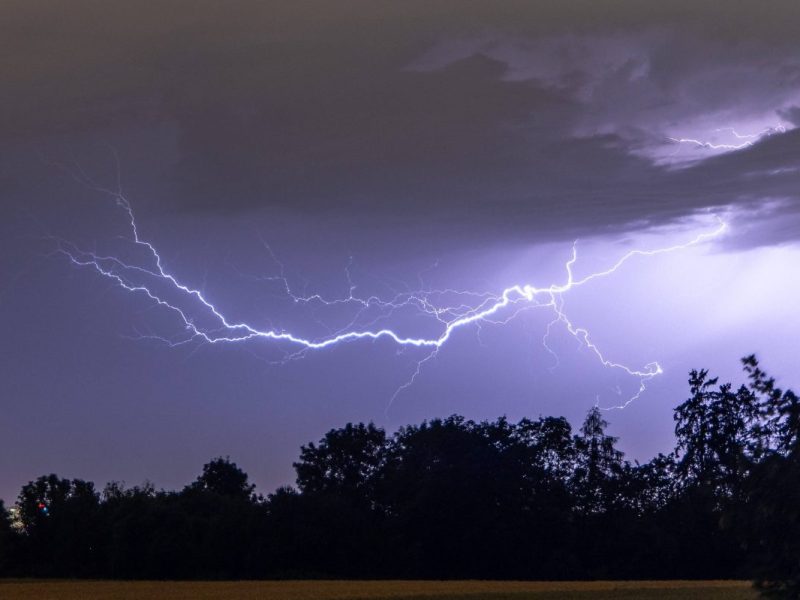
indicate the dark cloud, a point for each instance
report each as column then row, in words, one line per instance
column 791, row 114
column 521, row 117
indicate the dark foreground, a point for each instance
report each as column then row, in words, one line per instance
column 344, row 590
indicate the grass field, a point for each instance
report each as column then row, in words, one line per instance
column 374, row 590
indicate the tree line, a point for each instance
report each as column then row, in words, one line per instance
column 455, row 498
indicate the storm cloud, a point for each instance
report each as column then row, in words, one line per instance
column 524, row 117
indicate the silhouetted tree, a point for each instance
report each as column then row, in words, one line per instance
column 7, row 542
column 346, row 461
column 715, row 433
column 450, row 496
column 779, row 430
column 334, row 521
column 63, row 531
column 648, row 488
column 224, row 478
column 769, row 520
column 598, row 466
column 131, row 515
column 715, row 429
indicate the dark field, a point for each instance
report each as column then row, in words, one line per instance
column 346, row 590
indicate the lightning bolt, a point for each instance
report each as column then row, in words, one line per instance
column 201, row 320
column 748, row 139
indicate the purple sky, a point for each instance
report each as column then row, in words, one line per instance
column 398, row 148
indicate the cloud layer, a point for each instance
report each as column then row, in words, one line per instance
column 531, row 119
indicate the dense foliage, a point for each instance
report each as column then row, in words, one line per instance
column 452, row 498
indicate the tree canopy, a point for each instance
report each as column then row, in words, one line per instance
column 455, row 498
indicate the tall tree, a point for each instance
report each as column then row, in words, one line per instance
column 714, row 438
column 715, row 431
column 769, row 520
column 599, row 463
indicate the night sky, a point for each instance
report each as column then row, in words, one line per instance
column 300, row 165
